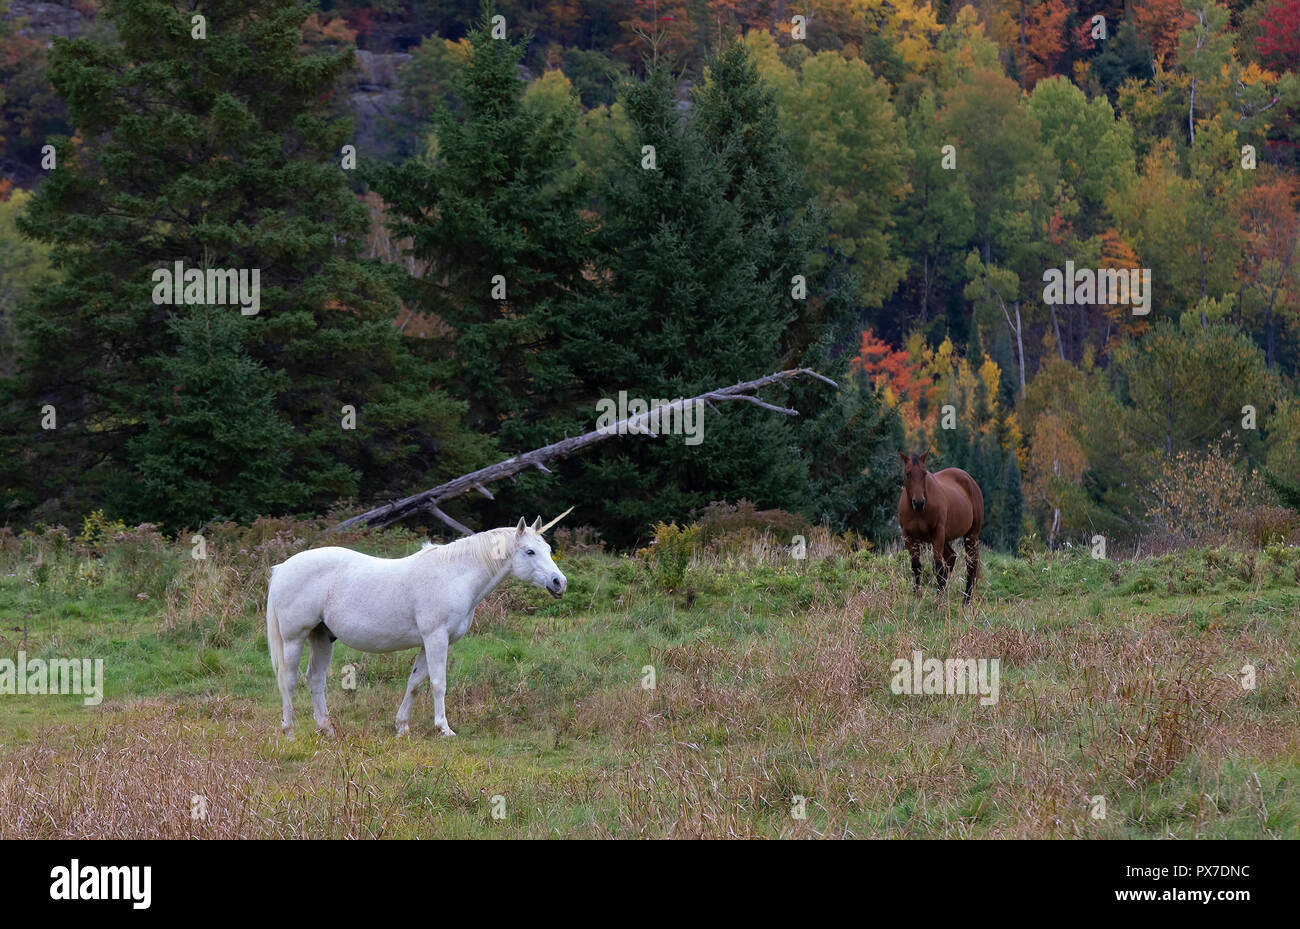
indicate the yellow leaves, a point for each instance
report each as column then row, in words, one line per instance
column 1015, row 441
column 991, row 375
column 1198, row 496
column 1054, row 454
column 461, row 50
column 912, row 26
column 940, row 361
column 1253, row 74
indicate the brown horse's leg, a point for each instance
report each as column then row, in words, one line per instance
column 940, row 560
column 972, row 548
column 949, row 558
column 914, row 549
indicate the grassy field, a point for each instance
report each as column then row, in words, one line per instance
column 1119, row 679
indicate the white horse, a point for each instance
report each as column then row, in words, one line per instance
column 389, row 604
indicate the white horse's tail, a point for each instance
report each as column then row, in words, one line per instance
column 273, row 640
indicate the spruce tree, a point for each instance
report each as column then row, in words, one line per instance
column 690, row 299
column 1012, row 501
column 986, row 469
column 854, row 477
column 495, row 216
column 215, row 448
column 214, row 149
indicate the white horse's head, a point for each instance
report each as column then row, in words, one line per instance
column 532, row 562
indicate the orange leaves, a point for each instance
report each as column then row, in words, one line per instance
column 903, row 382
column 1270, row 225
column 662, row 28
column 1045, row 39
column 1160, row 22
column 1116, row 252
column 327, row 34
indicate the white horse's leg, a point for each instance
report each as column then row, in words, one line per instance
column 289, row 680
column 419, row 674
column 322, row 650
column 435, row 649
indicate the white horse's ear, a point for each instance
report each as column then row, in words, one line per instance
column 536, row 522
column 520, row 528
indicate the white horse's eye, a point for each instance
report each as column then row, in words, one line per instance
column 531, row 552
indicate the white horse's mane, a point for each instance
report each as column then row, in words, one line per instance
column 479, row 547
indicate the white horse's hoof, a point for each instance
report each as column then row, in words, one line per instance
column 403, row 732
column 445, row 730
column 326, row 729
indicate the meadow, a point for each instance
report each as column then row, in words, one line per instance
column 1120, row 679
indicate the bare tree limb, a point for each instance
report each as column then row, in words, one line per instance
column 428, row 500
column 764, row 404
column 433, row 508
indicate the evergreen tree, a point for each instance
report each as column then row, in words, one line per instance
column 214, row 446
column 1008, row 386
column 986, row 469
column 847, row 443
column 1012, row 502
column 954, row 445
column 494, row 214
column 854, row 480
column 689, row 300
column 216, row 152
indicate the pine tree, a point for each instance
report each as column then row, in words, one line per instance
column 986, row 469
column 216, row 152
column 853, row 473
column 683, row 306
column 1012, row 502
column 847, row 444
column 214, row 446
column 954, row 445
column 495, row 214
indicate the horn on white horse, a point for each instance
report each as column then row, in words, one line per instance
column 554, row 521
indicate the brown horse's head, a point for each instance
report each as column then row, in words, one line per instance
column 914, row 479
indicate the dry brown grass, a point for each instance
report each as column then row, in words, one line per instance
column 151, row 773
column 772, row 683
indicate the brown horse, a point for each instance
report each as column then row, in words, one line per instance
column 940, row 508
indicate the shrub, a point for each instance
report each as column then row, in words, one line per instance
column 669, row 553
column 1199, row 498
column 1264, row 525
column 579, row 540
column 720, row 518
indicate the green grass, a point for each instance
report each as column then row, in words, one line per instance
column 1118, row 679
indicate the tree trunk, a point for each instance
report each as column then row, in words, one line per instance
column 1020, row 347
column 428, row 500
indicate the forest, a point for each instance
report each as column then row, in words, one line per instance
column 1053, row 243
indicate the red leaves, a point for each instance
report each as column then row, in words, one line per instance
column 1279, row 42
